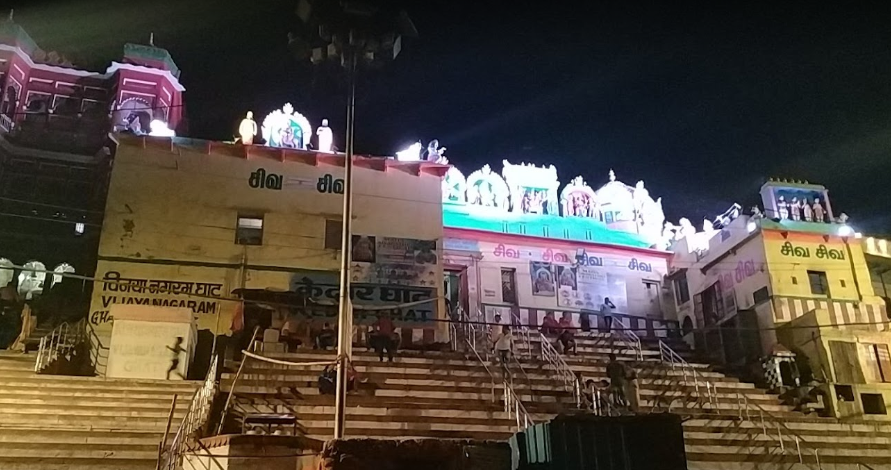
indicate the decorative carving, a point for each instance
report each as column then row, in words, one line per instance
column 579, row 200
column 454, row 187
column 533, row 190
column 286, row 128
column 485, row 188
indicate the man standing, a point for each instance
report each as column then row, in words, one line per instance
column 617, row 374
column 383, row 336
column 606, row 310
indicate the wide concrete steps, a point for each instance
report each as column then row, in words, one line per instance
column 80, row 423
column 68, row 463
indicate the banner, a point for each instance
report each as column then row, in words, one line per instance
column 586, row 287
column 542, row 279
column 390, row 260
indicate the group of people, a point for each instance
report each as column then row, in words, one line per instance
column 382, row 338
column 614, row 396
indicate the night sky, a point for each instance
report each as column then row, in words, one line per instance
column 701, row 104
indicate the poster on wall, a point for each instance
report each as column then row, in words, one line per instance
column 542, row 279
column 586, row 287
column 364, row 249
column 389, row 260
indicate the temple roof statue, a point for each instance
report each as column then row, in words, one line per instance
column 578, row 200
column 286, row 128
column 488, row 189
column 533, row 189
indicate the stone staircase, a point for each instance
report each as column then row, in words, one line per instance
column 59, row 422
column 719, row 436
column 449, row 395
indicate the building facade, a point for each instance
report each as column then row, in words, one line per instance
column 519, row 246
column 758, row 273
column 55, row 143
column 198, row 224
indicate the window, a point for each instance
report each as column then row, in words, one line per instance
column 843, row 283
column 819, row 284
column 249, row 230
column 876, row 361
column 333, row 234
column 681, row 290
column 508, row 286
column 760, row 295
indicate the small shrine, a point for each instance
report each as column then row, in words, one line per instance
column 799, row 201
column 286, row 128
column 578, row 200
column 533, row 190
column 486, row 188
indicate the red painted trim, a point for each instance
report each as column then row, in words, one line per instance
column 239, row 150
column 532, row 240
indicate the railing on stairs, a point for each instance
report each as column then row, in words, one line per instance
column 512, row 404
column 61, row 342
column 195, row 419
column 801, row 447
column 669, row 356
column 630, row 339
column 549, row 353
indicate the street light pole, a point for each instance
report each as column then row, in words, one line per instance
column 348, row 32
column 345, row 314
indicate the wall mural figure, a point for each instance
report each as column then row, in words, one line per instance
column 286, row 128
column 485, row 188
column 579, row 200
column 533, row 190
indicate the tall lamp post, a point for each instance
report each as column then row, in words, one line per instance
column 350, row 34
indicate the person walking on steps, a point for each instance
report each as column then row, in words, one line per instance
column 617, row 373
column 384, row 337
column 503, row 346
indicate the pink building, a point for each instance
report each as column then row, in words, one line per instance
column 56, row 141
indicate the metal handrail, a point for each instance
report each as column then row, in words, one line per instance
column 630, row 338
column 800, row 442
column 196, row 418
column 512, row 404
column 550, row 354
column 668, row 355
column 225, row 411
column 60, row 341
column 515, row 409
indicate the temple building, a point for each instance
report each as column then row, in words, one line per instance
column 56, row 145
column 197, row 224
column 520, row 246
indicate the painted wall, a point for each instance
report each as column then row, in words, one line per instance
column 735, row 258
column 172, row 211
column 792, row 255
column 489, row 253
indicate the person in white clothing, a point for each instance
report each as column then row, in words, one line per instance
column 503, row 344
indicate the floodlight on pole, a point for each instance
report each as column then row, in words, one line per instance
column 353, row 33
